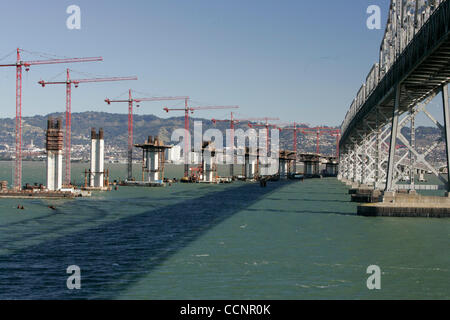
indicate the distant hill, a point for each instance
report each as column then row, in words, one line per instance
column 115, row 127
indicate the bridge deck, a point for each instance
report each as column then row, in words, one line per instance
column 421, row 69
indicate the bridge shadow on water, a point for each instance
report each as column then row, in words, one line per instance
column 115, row 255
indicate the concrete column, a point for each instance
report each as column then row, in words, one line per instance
column 58, row 170
column 208, row 171
column 93, row 158
column 250, row 167
column 54, row 146
column 283, row 168
column 51, row 170
column 100, row 161
column 153, row 165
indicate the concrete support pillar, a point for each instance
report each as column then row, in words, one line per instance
column 54, row 146
column 208, row 172
column 153, row 165
column 100, row 177
column 390, row 185
column 93, row 158
column 283, row 168
column 250, row 167
column 54, row 170
column 97, row 167
column 51, row 171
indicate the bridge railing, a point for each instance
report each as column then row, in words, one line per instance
column 406, row 18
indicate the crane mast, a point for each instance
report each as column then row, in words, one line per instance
column 130, row 102
column 68, row 135
column 186, row 110
column 18, row 131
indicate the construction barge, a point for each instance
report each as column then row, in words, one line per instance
column 39, row 192
column 42, row 194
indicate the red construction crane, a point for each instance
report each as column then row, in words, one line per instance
column 318, row 131
column 294, row 129
column 266, row 125
column 186, row 110
column 337, row 133
column 27, row 64
column 68, row 83
column 232, row 122
column 130, row 102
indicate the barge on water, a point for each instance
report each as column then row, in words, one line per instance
column 39, row 194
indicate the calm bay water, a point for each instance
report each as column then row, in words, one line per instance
column 291, row 240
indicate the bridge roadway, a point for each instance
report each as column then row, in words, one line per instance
column 413, row 68
column 420, row 70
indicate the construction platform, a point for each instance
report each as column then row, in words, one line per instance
column 96, row 188
column 407, row 205
column 30, row 194
column 142, row 184
column 365, row 194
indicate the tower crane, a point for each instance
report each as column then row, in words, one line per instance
column 294, row 129
column 232, row 122
column 337, row 133
column 68, row 135
column 186, row 110
column 130, row 102
column 318, row 131
column 266, row 125
column 18, row 132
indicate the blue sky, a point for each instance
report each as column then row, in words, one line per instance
column 297, row 60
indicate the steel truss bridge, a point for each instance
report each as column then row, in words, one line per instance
column 413, row 67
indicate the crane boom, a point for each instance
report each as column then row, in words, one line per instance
column 77, row 81
column 259, row 119
column 130, row 102
column 51, row 61
column 68, row 136
column 18, row 132
column 213, row 107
